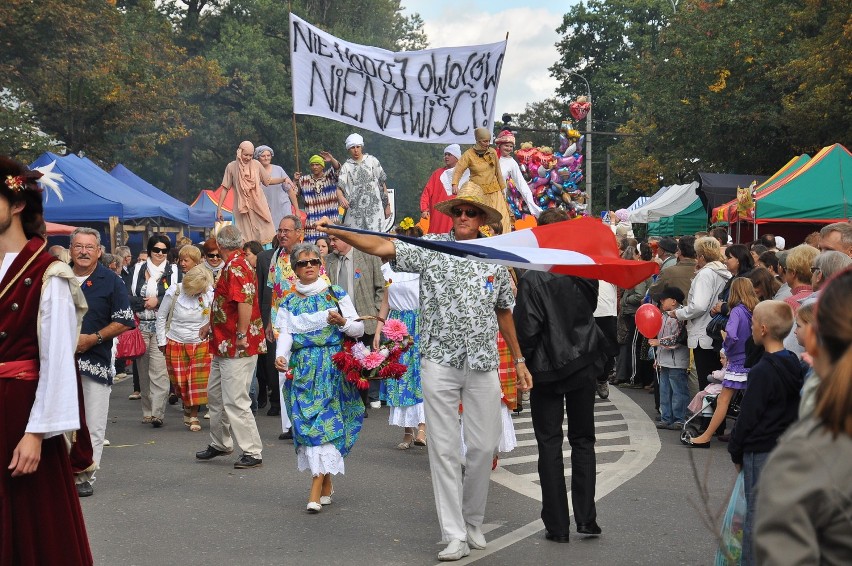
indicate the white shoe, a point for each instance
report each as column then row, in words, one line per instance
column 207, row 415
column 475, row 538
column 313, row 507
column 375, row 404
column 456, row 550
column 326, row 499
column 106, row 442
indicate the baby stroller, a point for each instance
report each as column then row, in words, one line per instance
column 696, row 424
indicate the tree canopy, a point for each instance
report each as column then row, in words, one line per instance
column 171, row 88
column 713, row 85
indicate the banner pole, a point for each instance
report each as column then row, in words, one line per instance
column 295, row 130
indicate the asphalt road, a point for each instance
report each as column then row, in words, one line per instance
column 155, row 504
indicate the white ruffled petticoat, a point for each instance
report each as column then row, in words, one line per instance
column 411, row 416
column 508, row 440
column 322, row 459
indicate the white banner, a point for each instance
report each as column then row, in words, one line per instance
column 434, row 95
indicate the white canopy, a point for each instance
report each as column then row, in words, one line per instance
column 675, row 199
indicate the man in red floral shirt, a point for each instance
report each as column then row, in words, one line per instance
column 237, row 340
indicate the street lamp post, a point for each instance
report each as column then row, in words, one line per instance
column 588, row 153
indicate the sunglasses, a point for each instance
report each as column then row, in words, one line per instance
column 159, row 250
column 213, row 256
column 468, row 212
column 306, row 262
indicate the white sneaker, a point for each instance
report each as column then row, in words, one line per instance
column 106, row 442
column 375, row 404
column 314, row 507
column 475, row 538
column 207, row 415
column 456, row 550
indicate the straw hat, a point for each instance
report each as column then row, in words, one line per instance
column 470, row 193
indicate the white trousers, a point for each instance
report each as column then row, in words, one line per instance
column 230, row 405
column 460, row 500
column 96, row 406
column 153, row 378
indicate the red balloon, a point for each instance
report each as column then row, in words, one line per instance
column 649, row 320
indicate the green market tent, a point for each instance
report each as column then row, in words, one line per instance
column 818, row 192
column 688, row 221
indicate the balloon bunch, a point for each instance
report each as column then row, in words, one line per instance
column 556, row 178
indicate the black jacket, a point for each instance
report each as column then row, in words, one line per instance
column 770, row 404
column 264, row 261
column 555, row 323
column 171, row 275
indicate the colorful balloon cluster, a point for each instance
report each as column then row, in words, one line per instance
column 556, row 179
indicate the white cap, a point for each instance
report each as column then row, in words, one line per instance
column 353, row 140
column 453, row 149
column 780, row 242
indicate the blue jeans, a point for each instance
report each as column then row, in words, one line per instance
column 752, row 465
column 674, row 394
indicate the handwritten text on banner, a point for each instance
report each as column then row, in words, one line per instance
column 434, row 95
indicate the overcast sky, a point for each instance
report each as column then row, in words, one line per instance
column 532, row 40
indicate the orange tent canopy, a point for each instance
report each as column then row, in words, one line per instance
column 214, row 196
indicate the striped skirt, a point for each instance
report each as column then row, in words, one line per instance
column 189, row 368
column 508, row 374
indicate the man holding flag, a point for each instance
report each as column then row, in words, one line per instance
column 463, row 303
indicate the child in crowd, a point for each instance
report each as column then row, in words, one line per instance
column 714, row 385
column 672, row 358
column 741, row 302
column 804, row 320
column 769, row 405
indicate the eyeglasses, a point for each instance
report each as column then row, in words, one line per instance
column 286, row 231
column 213, row 256
column 159, row 250
column 306, row 262
column 815, row 269
column 468, row 212
column 89, row 248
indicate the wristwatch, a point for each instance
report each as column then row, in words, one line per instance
column 240, row 335
column 100, row 338
column 521, row 360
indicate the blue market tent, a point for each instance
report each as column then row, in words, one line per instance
column 164, row 210
column 91, row 195
column 129, row 178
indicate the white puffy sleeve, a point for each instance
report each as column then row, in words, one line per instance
column 353, row 328
column 523, row 188
column 285, row 339
column 56, row 409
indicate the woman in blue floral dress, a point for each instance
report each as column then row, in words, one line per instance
column 404, row 396
column 325, row 409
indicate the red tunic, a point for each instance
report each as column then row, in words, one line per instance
column 433, row 193
column 40, row 517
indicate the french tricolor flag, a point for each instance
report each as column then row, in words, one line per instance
column 583, row 247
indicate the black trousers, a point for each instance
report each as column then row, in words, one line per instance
column 706, row 362
column 609, row 327
column 267, row 377
column 548, row 404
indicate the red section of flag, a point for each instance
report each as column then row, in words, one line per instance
column 590, row 237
